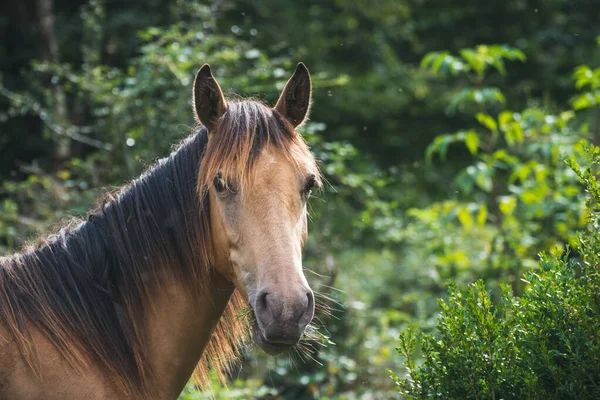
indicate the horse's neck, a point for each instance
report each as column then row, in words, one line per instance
column 179, row 330
column 178, row 324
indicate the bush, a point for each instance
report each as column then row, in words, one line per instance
column 543, row 344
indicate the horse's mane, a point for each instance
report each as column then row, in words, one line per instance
column 88, row 286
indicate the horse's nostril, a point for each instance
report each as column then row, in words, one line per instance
column 309, row 310
column 261, row 301
column 311, row 298
column 268, row 306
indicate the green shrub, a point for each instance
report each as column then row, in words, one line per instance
column 543, row 344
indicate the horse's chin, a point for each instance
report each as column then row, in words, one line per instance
column 270, row 348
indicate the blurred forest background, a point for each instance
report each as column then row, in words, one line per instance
column 442, row 128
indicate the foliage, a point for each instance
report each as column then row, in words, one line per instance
column 587, row 79
column 516, row 197
column 543, row 344
column 441, row 139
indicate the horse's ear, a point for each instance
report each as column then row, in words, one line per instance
column 209, row 102
column 294, row 101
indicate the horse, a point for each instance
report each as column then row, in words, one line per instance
column 155, row 282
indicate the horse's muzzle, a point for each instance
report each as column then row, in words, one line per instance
column 282, row 317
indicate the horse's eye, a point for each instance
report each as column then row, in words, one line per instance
column 310, row 184
column 219, row 184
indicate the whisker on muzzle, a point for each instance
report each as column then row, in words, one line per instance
column 316, row 335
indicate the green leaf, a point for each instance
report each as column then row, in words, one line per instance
column 487, row 121
column 585, row 100
column 505, row 117
column 499, row 65
column 474, row 59
column 482, row 175
column 472, row 141
column 507, row 204
column 429, row 58
column 465, row 218
column 484, row 182
column 482, row 215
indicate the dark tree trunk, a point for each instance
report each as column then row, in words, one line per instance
column 51, row 53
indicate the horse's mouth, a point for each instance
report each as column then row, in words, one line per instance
column 271, row 348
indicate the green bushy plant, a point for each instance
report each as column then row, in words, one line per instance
column 543, row 344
